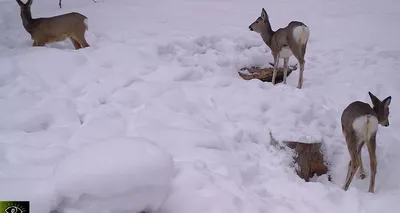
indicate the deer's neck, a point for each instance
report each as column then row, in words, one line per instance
column 376, row 111
column 267, row 33
column 27, row 20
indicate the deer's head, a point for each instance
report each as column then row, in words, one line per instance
column 259, row 24
column 24, row 7
column 381, row 108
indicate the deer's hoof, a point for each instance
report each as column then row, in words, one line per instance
column 362, row 175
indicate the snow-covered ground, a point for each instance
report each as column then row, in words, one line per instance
column 154, row 115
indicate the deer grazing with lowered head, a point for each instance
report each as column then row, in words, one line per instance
column 360, row 126
column 52, row 29
column 285, row 42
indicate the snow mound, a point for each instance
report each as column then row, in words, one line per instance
column 120, row 174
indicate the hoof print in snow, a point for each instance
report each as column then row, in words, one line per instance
column 308, row 156
column 264, row 74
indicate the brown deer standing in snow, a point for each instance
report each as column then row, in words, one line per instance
column 285, row 42
column 56, row 28
column 359, row 126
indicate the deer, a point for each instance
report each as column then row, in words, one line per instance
column 359, row 126
column 285, row 42
column 53, row 29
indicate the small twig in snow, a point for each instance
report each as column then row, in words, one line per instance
column 59, row 3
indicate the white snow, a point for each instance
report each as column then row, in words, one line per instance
column 154, row 114
column 119, row 174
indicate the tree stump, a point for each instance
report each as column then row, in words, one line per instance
column 308, row 157
column 264, row 74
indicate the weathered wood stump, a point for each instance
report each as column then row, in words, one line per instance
column 308, row 157
column 264, row 74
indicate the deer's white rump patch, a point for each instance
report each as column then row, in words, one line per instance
column 301, row 34
column 365, row 125
column 86, row 23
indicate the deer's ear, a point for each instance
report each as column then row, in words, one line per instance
column 29, row 3
column 264, row 14
column 387, row 101
column 20, row 3
column 374, row 99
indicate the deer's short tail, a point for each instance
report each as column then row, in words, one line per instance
column 301, row 34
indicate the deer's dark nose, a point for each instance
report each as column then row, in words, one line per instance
column 385, row 123
column 251, row 29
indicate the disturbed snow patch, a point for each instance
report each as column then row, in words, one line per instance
column 300, row 117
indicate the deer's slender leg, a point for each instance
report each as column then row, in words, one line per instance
column 299, row 54
column 81, row 40
column 75, row 43
column 84, row 43
column 350, row 173
column 276, row 62
column 371, row 145
column 348, row 170
column 353, row 165
column 37, row 43
column 285, row 68
column 362, row 171
column 300, row 83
